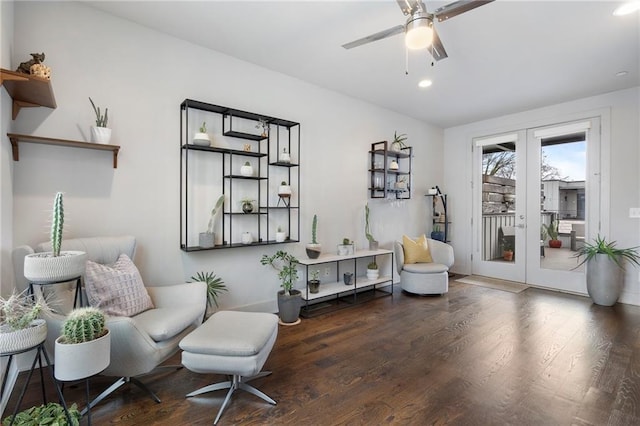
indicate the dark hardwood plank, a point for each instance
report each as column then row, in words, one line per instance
column 475, row 356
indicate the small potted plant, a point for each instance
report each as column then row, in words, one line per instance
column 55, row 265
column 20, row 327
column 372, row 271
column 284, row 190
column 215, row 286
column 314, row 249
column 246, row 170
column 373, row 243
column 605, row 269
column 552, row 232
column 264, row 126
column 202, row 137
column 84, row 347
column 247, row 205
column 281, row 236
column 100, row 133
column 314, row 282
column 346, row 248
column 288, row 298
column 507, row 249
column 207, row 239
column 401, row 184
column 50, row 413
column 398, row 142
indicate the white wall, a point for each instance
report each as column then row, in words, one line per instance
column 142, row 76
column 622, row 188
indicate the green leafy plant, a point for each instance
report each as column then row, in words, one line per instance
column 215, row 286
column 203, row 128
column 399, row 139
column 367, row 230
column 314, row 274
column 51, row 414
column 552, row 229
column 101, row 120
column 214, row 211
column 57, row 222
column 83, row 325
column 372, row 265
column 314, row 230
column 286, row 265
column 602, row 246
column 507, row 244
column 436, row 228
column 18, row 311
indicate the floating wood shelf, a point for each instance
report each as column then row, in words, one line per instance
column 15, row 139
column 27, row 90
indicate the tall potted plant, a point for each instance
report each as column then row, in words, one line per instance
column 20, row 327
column 605, row 269
column 373, row 243
column 55, row 265
column 100, row 133
column 207, row 239
column 288, row 298
column 552, row 232
column 314, row 249
column 84, row 347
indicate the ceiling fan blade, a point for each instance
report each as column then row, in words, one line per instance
column 409, row 7
column 437, row 48
column 375, row 37
column 458, row 7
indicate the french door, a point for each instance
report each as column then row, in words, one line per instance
column 532, row 186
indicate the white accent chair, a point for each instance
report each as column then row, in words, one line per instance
column 140, row 343
column 425, row 278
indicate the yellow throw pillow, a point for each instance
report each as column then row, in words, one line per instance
column 416, row 251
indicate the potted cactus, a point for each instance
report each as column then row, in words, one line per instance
column 84, row 347
column 281, row 236
column 100, row 133
column 202, row 137
column 20, row 327
column 347, row 247
column 314, row 249
column 55, row 265
column 372, row 271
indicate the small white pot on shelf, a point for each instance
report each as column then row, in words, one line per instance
column 246, row 170
column 100, row 135
column 201, row 139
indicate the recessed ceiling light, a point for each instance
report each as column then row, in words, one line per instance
column 622, row 73
column 425, row 83
column 627, row 8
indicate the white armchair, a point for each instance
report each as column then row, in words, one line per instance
column 425, row 278
column 139, row 343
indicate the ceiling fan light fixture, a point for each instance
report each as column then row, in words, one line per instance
column 418, row 32
column 425, row 83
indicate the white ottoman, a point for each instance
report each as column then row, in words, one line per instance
column 232, row 343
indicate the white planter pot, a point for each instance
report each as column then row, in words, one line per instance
column 43, row 267
column 373, row 274
column 17, row 340
column 605, row 280
column 201, row 139
column 206, row 240
column 284, row 191
column 100, row 134
column 80, row 360
column 247, row 238
column 281, row 237
column 246, row 171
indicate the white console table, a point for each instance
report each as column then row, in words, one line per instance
column 337, row 293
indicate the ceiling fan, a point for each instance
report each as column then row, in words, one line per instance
column 419, row 31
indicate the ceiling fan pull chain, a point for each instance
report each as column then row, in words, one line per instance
column 406, row 61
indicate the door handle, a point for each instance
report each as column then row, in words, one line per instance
column 521, row 225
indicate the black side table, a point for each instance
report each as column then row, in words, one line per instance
column 78, row 296
column 40, row 351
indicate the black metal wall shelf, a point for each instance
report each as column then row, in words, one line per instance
column 383, row 180
column 278, row 133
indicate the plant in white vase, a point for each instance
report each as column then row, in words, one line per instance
column 100, row 133
column 281, row 236
column 55, row 265
column 20, row 327
column 201, row 138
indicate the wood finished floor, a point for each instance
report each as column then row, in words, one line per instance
column 475, row 356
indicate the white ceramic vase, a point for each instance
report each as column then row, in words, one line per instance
column 17, row 340
column 246, row 171
column 281, row 237
column 100, row 135
column 201, row 139
column 373, row 274
column 247, row 238
column 80, row 360
column 44, row 267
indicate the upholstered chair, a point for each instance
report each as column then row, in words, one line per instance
column 425, row 278
column 139, row 343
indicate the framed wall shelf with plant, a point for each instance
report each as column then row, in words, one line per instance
column 390, row 171
column 258, row 180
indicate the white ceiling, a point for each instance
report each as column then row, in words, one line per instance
column 504, row 57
